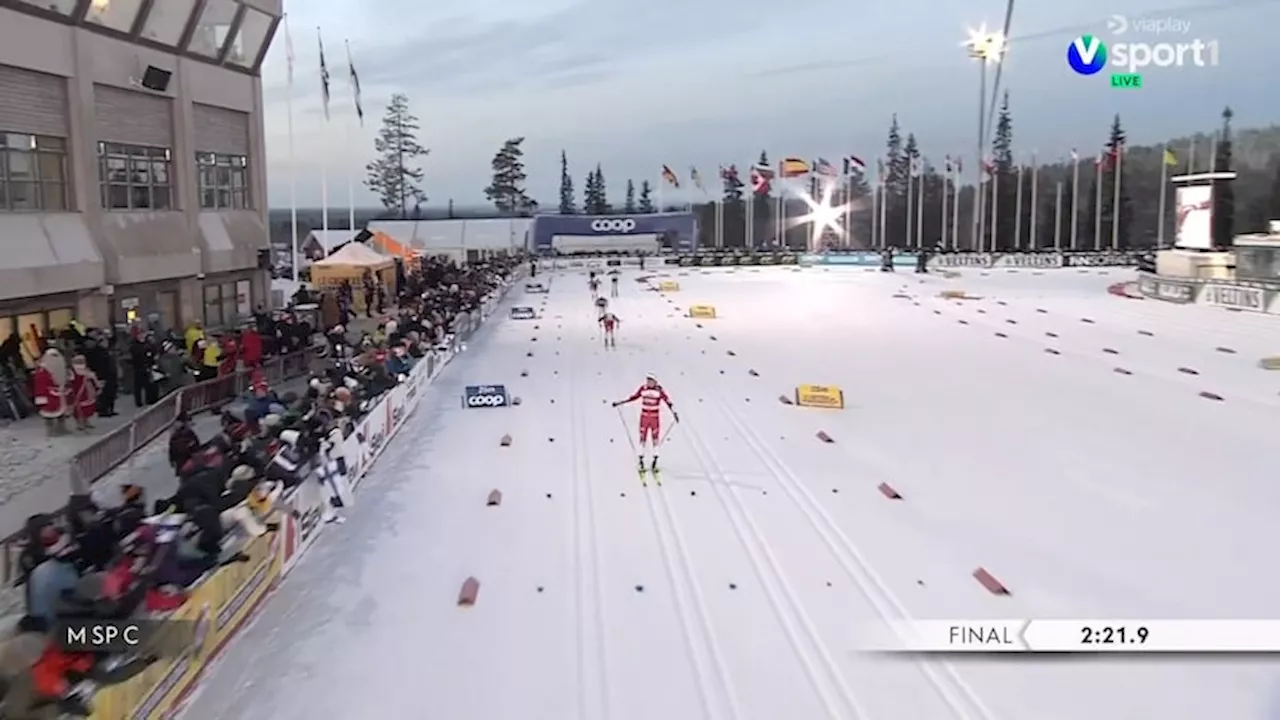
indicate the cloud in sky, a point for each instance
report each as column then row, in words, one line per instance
column 636, row 85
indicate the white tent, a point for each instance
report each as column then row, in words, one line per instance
column 355, row 255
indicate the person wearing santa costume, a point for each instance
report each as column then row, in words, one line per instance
column 85, row 387
column 50, row 381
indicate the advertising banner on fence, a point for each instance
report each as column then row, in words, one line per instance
column 1236, row 297
column 1167, row 290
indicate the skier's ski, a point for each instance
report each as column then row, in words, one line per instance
column 644, row 482
column 657, row 476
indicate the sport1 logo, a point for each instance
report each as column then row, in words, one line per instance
column 614, row 225
column 477, row 396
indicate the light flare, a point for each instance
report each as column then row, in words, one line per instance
column 822, row 215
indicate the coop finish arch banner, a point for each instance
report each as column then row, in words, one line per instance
column 679, row 230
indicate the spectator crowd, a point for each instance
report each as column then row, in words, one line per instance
column 138, row 555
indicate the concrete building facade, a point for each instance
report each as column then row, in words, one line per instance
column 132, row 161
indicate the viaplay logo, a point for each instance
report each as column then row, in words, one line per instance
column 1087, row 55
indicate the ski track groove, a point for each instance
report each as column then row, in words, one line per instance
column 678, row 595
column 587, row 572
column 775, row 583
column 960, row 694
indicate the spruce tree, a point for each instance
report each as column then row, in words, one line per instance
column 1273, row 202
column 645, row 205
column 602, row 192
column 1224, row 197
column 629, row 203
column 1111, row 214
column 590, row 197
column 910, row 158
column 897, row 178
column 1006, row 177
column 568, row 206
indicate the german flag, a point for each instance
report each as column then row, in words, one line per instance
column 793, row 167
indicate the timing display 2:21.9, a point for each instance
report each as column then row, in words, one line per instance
column 1113, row 635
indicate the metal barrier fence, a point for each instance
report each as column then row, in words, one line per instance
column 114, row 449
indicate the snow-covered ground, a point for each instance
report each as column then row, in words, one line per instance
column 738, row 589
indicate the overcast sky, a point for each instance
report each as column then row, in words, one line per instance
column 633, row 85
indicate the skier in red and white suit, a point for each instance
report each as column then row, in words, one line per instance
column 610, row 322
column 651, row 397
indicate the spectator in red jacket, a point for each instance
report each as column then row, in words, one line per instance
column 230, row 354
column 251, row 347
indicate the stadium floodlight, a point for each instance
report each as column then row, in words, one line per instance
column 822, row 215
column 987, row 47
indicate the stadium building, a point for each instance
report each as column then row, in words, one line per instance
column 132, row 166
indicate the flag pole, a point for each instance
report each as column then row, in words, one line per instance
column 1097, row 203
column 351, row 188
column 946, row 192
column 995, row 206
column 1075, row 199
column 1017, row 212
column 1057, row 219
column 779, row 210
column 1164, row 193
column 911, row 169
column 920, row 208
column 1032, row 241
column 293, row 164
column 955, row 207
column 1115, row 200
column 875, row 213
column 324, row 169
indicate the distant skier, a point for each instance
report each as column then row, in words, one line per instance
column 594, row 284
column 613, row 285
column 651, row 397
column 602, row 306
column 610, row 322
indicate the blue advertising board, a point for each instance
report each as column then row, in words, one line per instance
column 681, row 229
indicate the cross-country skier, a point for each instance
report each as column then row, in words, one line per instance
column 651, row 397
column 594, row 284
column 613, row 285
column 602, row 306
column 610, row 322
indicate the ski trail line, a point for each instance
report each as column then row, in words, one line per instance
column 958, row 694
column 587, row 573
column 775, row 583
column 698, row 616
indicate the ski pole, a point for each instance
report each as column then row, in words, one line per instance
column 670, row 427
column 627, row 431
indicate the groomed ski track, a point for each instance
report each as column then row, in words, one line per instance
column 738, row 590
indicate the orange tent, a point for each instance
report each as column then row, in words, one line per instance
column 388, row 245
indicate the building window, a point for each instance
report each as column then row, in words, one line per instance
column 222, row 305
column 224, row 181
column 33, row 172
column 36, row 332
column 134, row 177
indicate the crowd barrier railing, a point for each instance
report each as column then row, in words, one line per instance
column 116, row 447
column 1243, row 295
column 221, row 602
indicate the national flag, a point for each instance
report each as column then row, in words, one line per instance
column 824, row 168
column 879, row 172
column 288, row 49
column 917, row 166
column 729, row 174
column 355, row 85
column 853, row 164
column 760, row 179
column 1169, row 157
column 324, row 76
column 670, row 177
column 957, row 166
column 793, row 167
column 1075, row 156
column 696, row 178
column 946, row 164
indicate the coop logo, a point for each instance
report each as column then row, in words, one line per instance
column 478, row 396
column 614, row 225
column 1088, row 55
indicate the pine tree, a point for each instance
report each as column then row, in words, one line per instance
column 568, row 206
column 1224, row 197
column 733, row 208
column 393, row 175
column 1273, row 202
column 1005, row 177
column 590, row 196
column 602, row 192
column 1116, row 143
column 645, row 206
column 911, row 158
column 897, row 178
column 762, row 210
column 506, row 191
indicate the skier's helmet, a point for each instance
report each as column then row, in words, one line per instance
column 651, row 379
